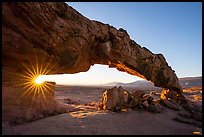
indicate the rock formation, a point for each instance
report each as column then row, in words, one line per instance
column 118, row 99
column 114, row 99
column 62, row 40
column 20, row 108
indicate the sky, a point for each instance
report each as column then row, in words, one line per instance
column 171, row 28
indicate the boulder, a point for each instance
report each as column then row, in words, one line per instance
column 114, row 99
column 171, row 105
column 145, row 104
column 149, row 99
column 155, row 108
column 133, row 101
column 140, row 94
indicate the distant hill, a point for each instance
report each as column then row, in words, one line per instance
column 188, row 82
column 143, row 84
column 114, row 84
column 140, row 85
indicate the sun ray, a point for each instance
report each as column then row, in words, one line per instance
column 31, row 73
column 45, row 89
column 45, row 69
column 47, row 86
column 21, row 84
column 33, row 96
column 31, row 90
column 35, row 73
column 41, row 68
column 50, row 69
column 28, row 85
column 25, row 92
column 39, row 91
column 43, row 93
column 31, row 82
column 37, row 69
column 23, row 76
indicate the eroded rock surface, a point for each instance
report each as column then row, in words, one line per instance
column 55, row 36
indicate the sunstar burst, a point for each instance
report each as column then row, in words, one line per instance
column 31, row 79
column 39, row 80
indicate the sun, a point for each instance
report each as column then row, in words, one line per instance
column 39, row 80
column 31, row 80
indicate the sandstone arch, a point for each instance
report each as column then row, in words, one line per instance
column 58, row 32
column 75, row 43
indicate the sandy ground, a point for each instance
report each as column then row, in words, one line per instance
column 86, row 119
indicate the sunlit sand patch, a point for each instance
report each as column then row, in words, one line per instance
column 196, row 133
column 86, row 111
column 83, row 114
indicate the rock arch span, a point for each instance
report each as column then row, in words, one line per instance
column 57, row 32
column 75, row 42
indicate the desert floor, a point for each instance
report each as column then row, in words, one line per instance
column 84, row 118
